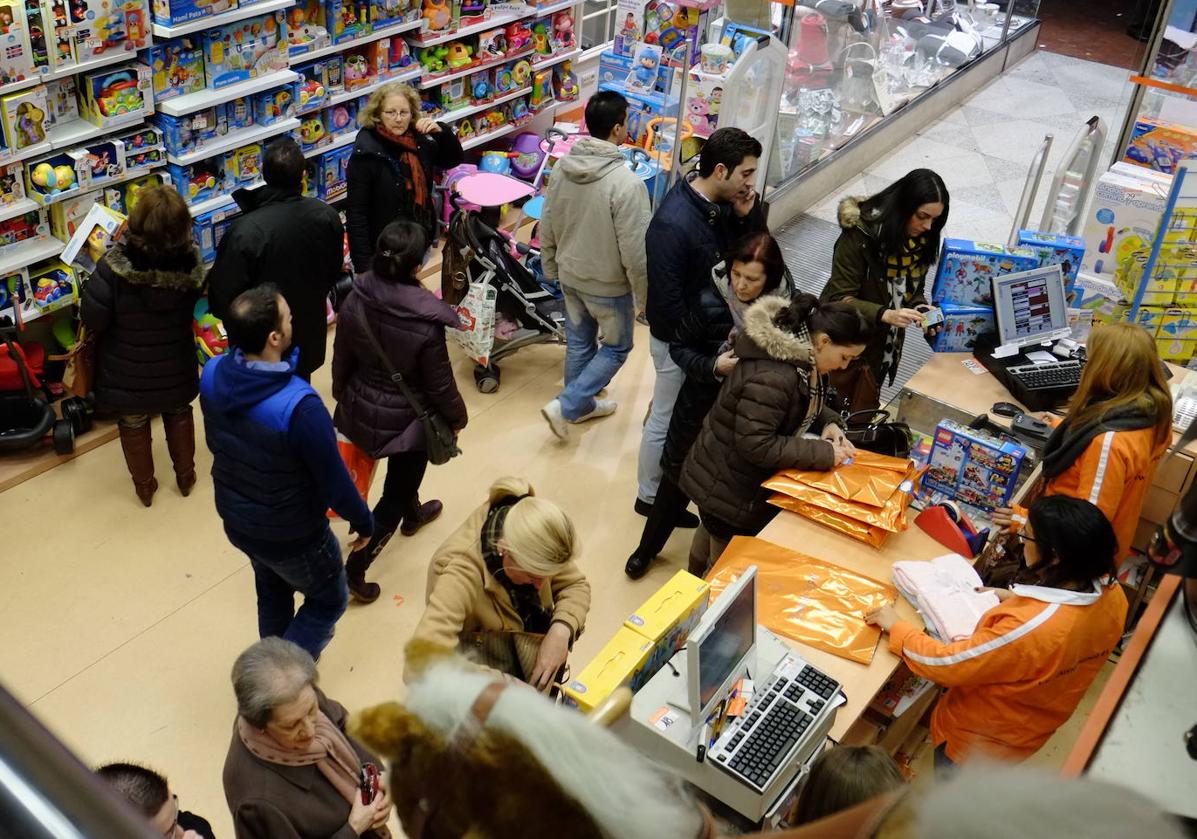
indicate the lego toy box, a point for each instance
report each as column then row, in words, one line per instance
column 12, row 183
column 209, row 228
column 973, row 467
column 967, row 268
column 270, row 106
column 667, row 617
column 16, row 55
column 115, row 96
column 178, row 68
column 1160, row 145
column 1055, row 249
column 245, row 50
column 621, row 662
column 961, row 326
column 334, row 165
column 24, row 116
column 1123, row 216
column 200, row 181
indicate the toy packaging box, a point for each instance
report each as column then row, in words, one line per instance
column 62, row 100
column 119, row 95
column 98, row 229
column 305, row 27
column 340, row 119
column 30, row 225
column 200, row 181
column 1055, row 249
column 190, row 132
column 966, row 269
column 36, row 25
column 178, row 68
column 1102, row 297
column 209, row 228
column 615, row 68
column 667, row 617
column 312, row 133
column 629, row 25
column 143, row 147
column 332, row 173
column 54, row 286
column 270, row 106
column 14, row 289
column 347, row 19
column 243, row 166
column 961, row 326
column 703, row 99
column 1128, row 202
column 245, row 50
column 1160, row 145
column 976, row 468
column 100, row 27
column 68, row 214
column 122, row 197
column 174, row 12
column 12, row 183
column 24, row 116
column 1174, row 330
column 16, row 54
column 620, row 662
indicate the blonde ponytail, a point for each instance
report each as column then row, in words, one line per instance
column 537, row 533
column 507, row 487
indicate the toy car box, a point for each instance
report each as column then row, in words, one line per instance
column 667, row 617
column 209, row 228
column 973, row 467
column 246, row 49
column 55, row 285
column 621, row 662
column 270, row 106
column 1055, row 249
column 144, row 146
column 967, row 268
column 201, row 180
column 1128, row 202
column 174, row 12
column 115, row 96
column 178, row 68
column 961, row 326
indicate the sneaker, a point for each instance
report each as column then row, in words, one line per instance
column 556, row 420
column 602, row 408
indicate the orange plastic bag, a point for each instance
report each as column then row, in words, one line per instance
column 360, row 465
column 806, row 599
column 870, row 534
column 869, row 479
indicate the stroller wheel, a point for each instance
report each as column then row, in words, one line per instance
column 75, row 410
column 486, row 378
column 63, row 437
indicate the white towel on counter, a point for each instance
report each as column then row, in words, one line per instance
column 944, row 591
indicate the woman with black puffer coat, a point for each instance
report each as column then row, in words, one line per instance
column 703, row 348
column 139, row 303
column 409, row 323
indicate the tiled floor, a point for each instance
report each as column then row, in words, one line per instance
column 121, row 623
column 1093, row 29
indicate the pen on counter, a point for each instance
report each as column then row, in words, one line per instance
column 704, row 738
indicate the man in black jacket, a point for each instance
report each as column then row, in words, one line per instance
column 293, row 242
column 151, row 796
column 689, row 233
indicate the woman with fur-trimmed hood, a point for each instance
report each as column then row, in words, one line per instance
column 772, row 397
column 139, row 303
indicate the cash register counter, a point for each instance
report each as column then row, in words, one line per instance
column 944, row 387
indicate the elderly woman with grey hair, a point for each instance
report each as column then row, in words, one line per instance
column 292, row 771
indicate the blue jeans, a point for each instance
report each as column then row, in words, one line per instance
column 317, row 573
column 665, row 390
column 590, row 364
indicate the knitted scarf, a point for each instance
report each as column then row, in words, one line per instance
column 524, row 598
column 413, row 170
column 815, row 404
column 898, row 269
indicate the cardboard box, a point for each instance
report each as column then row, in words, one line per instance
column 191, row 132
column 332, row 174
column 174, row 12
column 12, row 183
column 620, row 662
column 245, row 50
column 1055, row 249
column 967, row 268
column 1102, row 297
column 177, row 66
column 961, row 326
column 1160, row 145
column 54, row 285
column 1123, row 217
column 667, row 617
column 16, row 56
column 209, row 228
column 98, row 230
column 972, row 466
column 116, row 95
column 25, row 117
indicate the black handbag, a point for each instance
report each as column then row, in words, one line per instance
column 873, row 431
column 439, row 439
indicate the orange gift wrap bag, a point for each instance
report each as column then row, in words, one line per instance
column 360, row 465
column 808, row 600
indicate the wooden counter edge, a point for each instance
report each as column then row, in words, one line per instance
column 1128, row 664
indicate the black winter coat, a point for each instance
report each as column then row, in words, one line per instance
column 687, row 237
column 409, row 322
column 378, row 192
column 298, row 244
column 142, row 316
column 752, row 430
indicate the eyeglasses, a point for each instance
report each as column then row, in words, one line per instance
column 1025, row 538
column 174, row 826
column 396, row 114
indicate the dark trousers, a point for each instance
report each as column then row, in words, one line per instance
column 944, row 765
column 317, row 573
column 400, row 488
column 667, row 506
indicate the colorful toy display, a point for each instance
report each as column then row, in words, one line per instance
column 332, row 181
column 53, row 287
column 1128, row 202
column 563, row 31
column 174, row 12
column 243, row 166
column 244, row 50
column 30, row 225
column 565, row 82
column 438, row 15
column 314, row 88
column 459, row 55
column 1055, row 249
column 112, row 97
column 312, row 132
column 961, row 326
column 270, row 106
column 48, row 179
column 967, row 269
column 305, row 28
column 178, row 68
column 492, row 44
column 210, row 337
column 24, row 115
column 542, row 89
column 519, row 37
column 645, row 65
column 972, row 466
column 12, row 183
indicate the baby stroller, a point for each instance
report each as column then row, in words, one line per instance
column 503, row 307
column 26, row 416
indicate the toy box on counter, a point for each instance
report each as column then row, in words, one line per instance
column 1128, row 202
column 245, row 50
column 1159, row 145
column 114, row 96
column 967, row 268
column 667, row 617
column 620, row 662
column 961, row 326
column 209, row 228
column 178, row 68
column 974, row 467
column 1102, row 297
column 174, row 12
column 1055, row 249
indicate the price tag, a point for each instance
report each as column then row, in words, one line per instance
column 199, row 121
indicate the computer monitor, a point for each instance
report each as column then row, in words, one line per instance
column 1031, row 308
column 719, row 650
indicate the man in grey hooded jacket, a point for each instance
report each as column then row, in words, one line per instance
column 592, row 242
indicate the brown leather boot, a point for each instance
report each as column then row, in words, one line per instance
column 417, row 515
column 180, row 442
column 139, row 457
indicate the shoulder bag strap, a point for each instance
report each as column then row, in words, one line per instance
column 396, row 376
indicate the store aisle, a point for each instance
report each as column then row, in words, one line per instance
column 122, row 623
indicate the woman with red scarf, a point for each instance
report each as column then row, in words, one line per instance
column 390, row 171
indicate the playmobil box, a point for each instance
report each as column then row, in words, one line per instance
column 961, row 326
column 246, row 49
column 174, row 12
column 667, row 617
column 967, row 269
column 332, row 174
column 621, row 662
column 1055, row 249
column 1160, row 145
column 973, row 467
column 1123, row 216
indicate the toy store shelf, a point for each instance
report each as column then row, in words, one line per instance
column 552, row 8
column 235, row 139
column 80, row 130
column 208, row 97
column 431, row 82
column 161, row 31
column 17, row 208
column 13, row 87
column 453, row 116
column 12, row 156
column 483, row 139
column 493, row 22
column 94, row 64
column 24, row 254
column 345, row 139
column 47, row 200
column 376, row 35
column 35, row 312
column 357, row 92
column 550, row 60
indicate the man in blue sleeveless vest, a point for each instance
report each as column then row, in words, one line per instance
column 276, row 470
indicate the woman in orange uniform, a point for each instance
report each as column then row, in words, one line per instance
column 1031, row 658
column 1119, row 425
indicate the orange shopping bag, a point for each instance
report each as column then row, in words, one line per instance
column 806, row 599
column 360, row 465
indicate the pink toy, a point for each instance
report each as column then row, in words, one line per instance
column 563, row 29
column 487, row 189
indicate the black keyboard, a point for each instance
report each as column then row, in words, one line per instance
column 1058, row 374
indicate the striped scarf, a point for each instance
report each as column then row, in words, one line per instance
column 815, row 404
column 898, row 268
